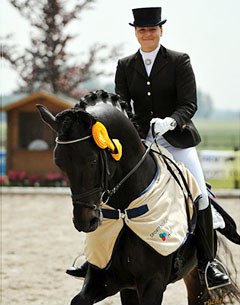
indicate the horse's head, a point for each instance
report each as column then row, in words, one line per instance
column 88, row 151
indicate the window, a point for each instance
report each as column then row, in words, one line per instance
column 31, row 128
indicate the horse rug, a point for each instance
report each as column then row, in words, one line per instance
column 163, row 225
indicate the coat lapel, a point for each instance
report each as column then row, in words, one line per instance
column 160, row 61
column 139, row 65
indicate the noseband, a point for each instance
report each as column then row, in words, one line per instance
column 103, row 189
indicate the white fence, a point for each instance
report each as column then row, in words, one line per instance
column 220, row 164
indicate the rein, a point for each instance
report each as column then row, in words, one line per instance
column 106, row 193
column 115, row 189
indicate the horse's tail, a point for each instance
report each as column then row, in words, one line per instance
column 229, row 294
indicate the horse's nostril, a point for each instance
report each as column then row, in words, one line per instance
column 94, row 221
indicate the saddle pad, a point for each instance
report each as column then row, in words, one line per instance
column 163, row 226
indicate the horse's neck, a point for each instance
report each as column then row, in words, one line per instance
column 136, row 183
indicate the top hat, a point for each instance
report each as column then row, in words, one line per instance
column 147, row 16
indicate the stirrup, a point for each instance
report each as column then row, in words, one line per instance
column 224, row 269
column 75, row 266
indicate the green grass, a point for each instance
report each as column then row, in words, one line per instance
column 224, row 184
column 3, row 130
column 220, row 134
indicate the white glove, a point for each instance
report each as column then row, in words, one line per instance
column 163, row 125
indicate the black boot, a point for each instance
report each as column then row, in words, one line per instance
column 215, row 273
column 79, row 272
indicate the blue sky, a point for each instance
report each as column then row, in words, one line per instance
column 207, row 30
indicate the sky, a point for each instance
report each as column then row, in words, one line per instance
column 208, row 30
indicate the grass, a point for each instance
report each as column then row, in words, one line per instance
column 219, row 135
column 3, row 130
column 224, row 184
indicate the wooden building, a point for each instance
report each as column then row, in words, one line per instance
column 30, row 142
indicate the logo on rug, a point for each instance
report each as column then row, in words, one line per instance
column 163, row 236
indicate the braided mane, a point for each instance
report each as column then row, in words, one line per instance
column 67, row 117
column 93, row 98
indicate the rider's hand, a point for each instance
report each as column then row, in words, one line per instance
column 161, row 126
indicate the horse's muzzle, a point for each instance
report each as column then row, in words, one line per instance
column 89, row 222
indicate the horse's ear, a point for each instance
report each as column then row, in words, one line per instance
column 47, row 117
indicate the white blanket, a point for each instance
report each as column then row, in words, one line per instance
column 163, row 227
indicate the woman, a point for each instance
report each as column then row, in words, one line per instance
column 159, row 86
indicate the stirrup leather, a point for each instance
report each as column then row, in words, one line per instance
column 224, row 269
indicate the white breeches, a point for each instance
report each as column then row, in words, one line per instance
column 189, row 157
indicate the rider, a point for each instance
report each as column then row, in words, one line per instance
column 161, row 85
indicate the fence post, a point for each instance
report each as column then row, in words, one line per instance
column 236, row 174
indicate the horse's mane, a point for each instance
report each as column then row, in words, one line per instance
column 94, row 97
column 69, row 116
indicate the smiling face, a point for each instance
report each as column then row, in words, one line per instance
column 148, row 37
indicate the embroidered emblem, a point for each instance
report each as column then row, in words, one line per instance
column 159, row 227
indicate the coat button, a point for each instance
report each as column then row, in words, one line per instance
column 148, row 83
column 149, row 93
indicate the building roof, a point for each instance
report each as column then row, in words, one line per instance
column 13, row 101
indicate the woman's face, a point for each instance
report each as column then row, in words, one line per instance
column 148, row 37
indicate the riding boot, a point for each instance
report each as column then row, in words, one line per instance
column 215, row 273
column 78, row 272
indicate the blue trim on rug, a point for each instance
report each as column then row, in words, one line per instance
column 151, row 183
column 134, row 212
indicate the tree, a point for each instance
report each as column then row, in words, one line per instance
column 46, row 64
column 205, row 105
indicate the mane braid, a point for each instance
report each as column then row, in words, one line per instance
column 93, row 98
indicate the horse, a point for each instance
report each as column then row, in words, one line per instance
column 105, row 160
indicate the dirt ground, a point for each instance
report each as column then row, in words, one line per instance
column 39, row 243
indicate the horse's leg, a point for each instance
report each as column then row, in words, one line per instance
column 151, row 291
column 80, row 299
column 92, row 293
column 129, row 297
column 98, row 285
column 197, row 294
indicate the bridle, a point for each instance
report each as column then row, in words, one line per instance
column 103, row 189
column 78, row 198
column 72, row 141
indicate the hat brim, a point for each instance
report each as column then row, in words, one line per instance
column 148, row 24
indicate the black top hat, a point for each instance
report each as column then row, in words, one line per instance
column 147, row 16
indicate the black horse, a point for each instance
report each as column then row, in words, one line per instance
column 98, row 171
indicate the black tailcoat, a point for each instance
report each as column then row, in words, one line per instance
column 169, row 91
